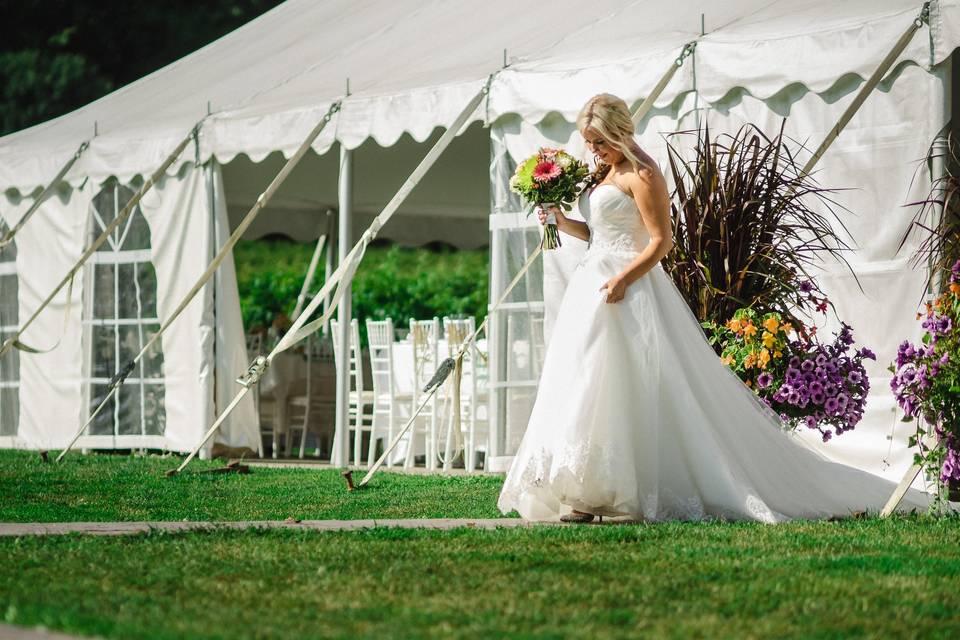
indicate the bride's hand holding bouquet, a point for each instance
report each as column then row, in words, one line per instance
column 550, row 180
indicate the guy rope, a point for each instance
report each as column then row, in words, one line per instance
column 258, row 206
column 40, row 199
column 14, row 341
column 342, row 276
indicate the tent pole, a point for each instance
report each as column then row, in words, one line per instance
column 328, row 262
column 341, row 444
column 311, row 270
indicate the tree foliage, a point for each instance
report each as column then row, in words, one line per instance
column 57, row 55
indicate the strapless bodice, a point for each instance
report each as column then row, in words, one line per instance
column 615, row 223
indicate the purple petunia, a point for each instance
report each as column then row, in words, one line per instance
column 831, row 406
column 764, row 380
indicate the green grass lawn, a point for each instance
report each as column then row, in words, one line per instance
column 869, row 579
column 855, row 578
column 106, row 488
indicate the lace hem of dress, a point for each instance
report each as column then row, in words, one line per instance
column 542, row 469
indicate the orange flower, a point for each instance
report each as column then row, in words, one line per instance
column 748, row 383
column 955, row 288
column 749, row 361
column 777, row 354
column 764, row 358
column 749, row 331
column 786, row 327
column 734, row 325
column 727, row 360
column 771, row 324
column 768, row 339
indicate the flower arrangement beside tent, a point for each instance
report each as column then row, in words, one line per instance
column 809, row 384
column 926, row 384
column 550, row 177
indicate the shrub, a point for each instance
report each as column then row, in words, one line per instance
column 392, row 282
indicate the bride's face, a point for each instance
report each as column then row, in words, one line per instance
column 601, row 147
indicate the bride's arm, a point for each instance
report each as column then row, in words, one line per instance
column 650, row 193
column 574, row 228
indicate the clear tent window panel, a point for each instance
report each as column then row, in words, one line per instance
column 9, row 322
column 120, row 319
column 516, row 328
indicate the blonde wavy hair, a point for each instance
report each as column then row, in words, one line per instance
column 609, row 116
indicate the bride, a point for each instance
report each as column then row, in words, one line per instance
column 635, row 414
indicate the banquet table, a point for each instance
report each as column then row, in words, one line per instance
column 286, row 376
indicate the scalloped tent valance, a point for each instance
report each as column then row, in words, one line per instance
column 413, row 65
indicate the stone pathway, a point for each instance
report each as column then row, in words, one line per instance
column 10, row 632
column 122, row 528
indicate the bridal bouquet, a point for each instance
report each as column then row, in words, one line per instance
column 550, row 177
column 926, row 384
column 819, row 386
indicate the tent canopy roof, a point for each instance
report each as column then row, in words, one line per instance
column 413, row 65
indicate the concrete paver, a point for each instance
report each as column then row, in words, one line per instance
column 125, row 528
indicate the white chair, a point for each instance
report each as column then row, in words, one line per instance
column 473, row 385
column 425, row 339
column 360, row 397
column 311, row 410
column 387, row 400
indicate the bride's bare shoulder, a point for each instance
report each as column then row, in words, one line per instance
column 645, row 179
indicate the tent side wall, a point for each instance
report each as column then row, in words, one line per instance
column 116, row 303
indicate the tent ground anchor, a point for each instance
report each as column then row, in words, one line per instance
column 348, row 476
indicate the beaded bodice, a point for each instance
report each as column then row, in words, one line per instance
column 615, row 223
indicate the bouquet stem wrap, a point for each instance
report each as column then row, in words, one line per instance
column 551, row 235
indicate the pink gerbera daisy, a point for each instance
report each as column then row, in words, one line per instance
column 546, row 171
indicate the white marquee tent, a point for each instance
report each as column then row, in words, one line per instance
column 411, row 67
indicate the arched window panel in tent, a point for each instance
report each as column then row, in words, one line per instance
column 120, row 317
column 9, row 322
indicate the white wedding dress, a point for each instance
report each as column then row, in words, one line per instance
column 636, row 415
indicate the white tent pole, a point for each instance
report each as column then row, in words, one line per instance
column 341, row 440
column 14, row 341
column 312, row 269
column 9, row 235
column 328, row 262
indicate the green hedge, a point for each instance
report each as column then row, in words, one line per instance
column 392, row 282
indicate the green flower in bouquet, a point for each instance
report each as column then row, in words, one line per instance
column 550, row 177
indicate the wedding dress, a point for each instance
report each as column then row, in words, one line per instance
column 635, row 414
